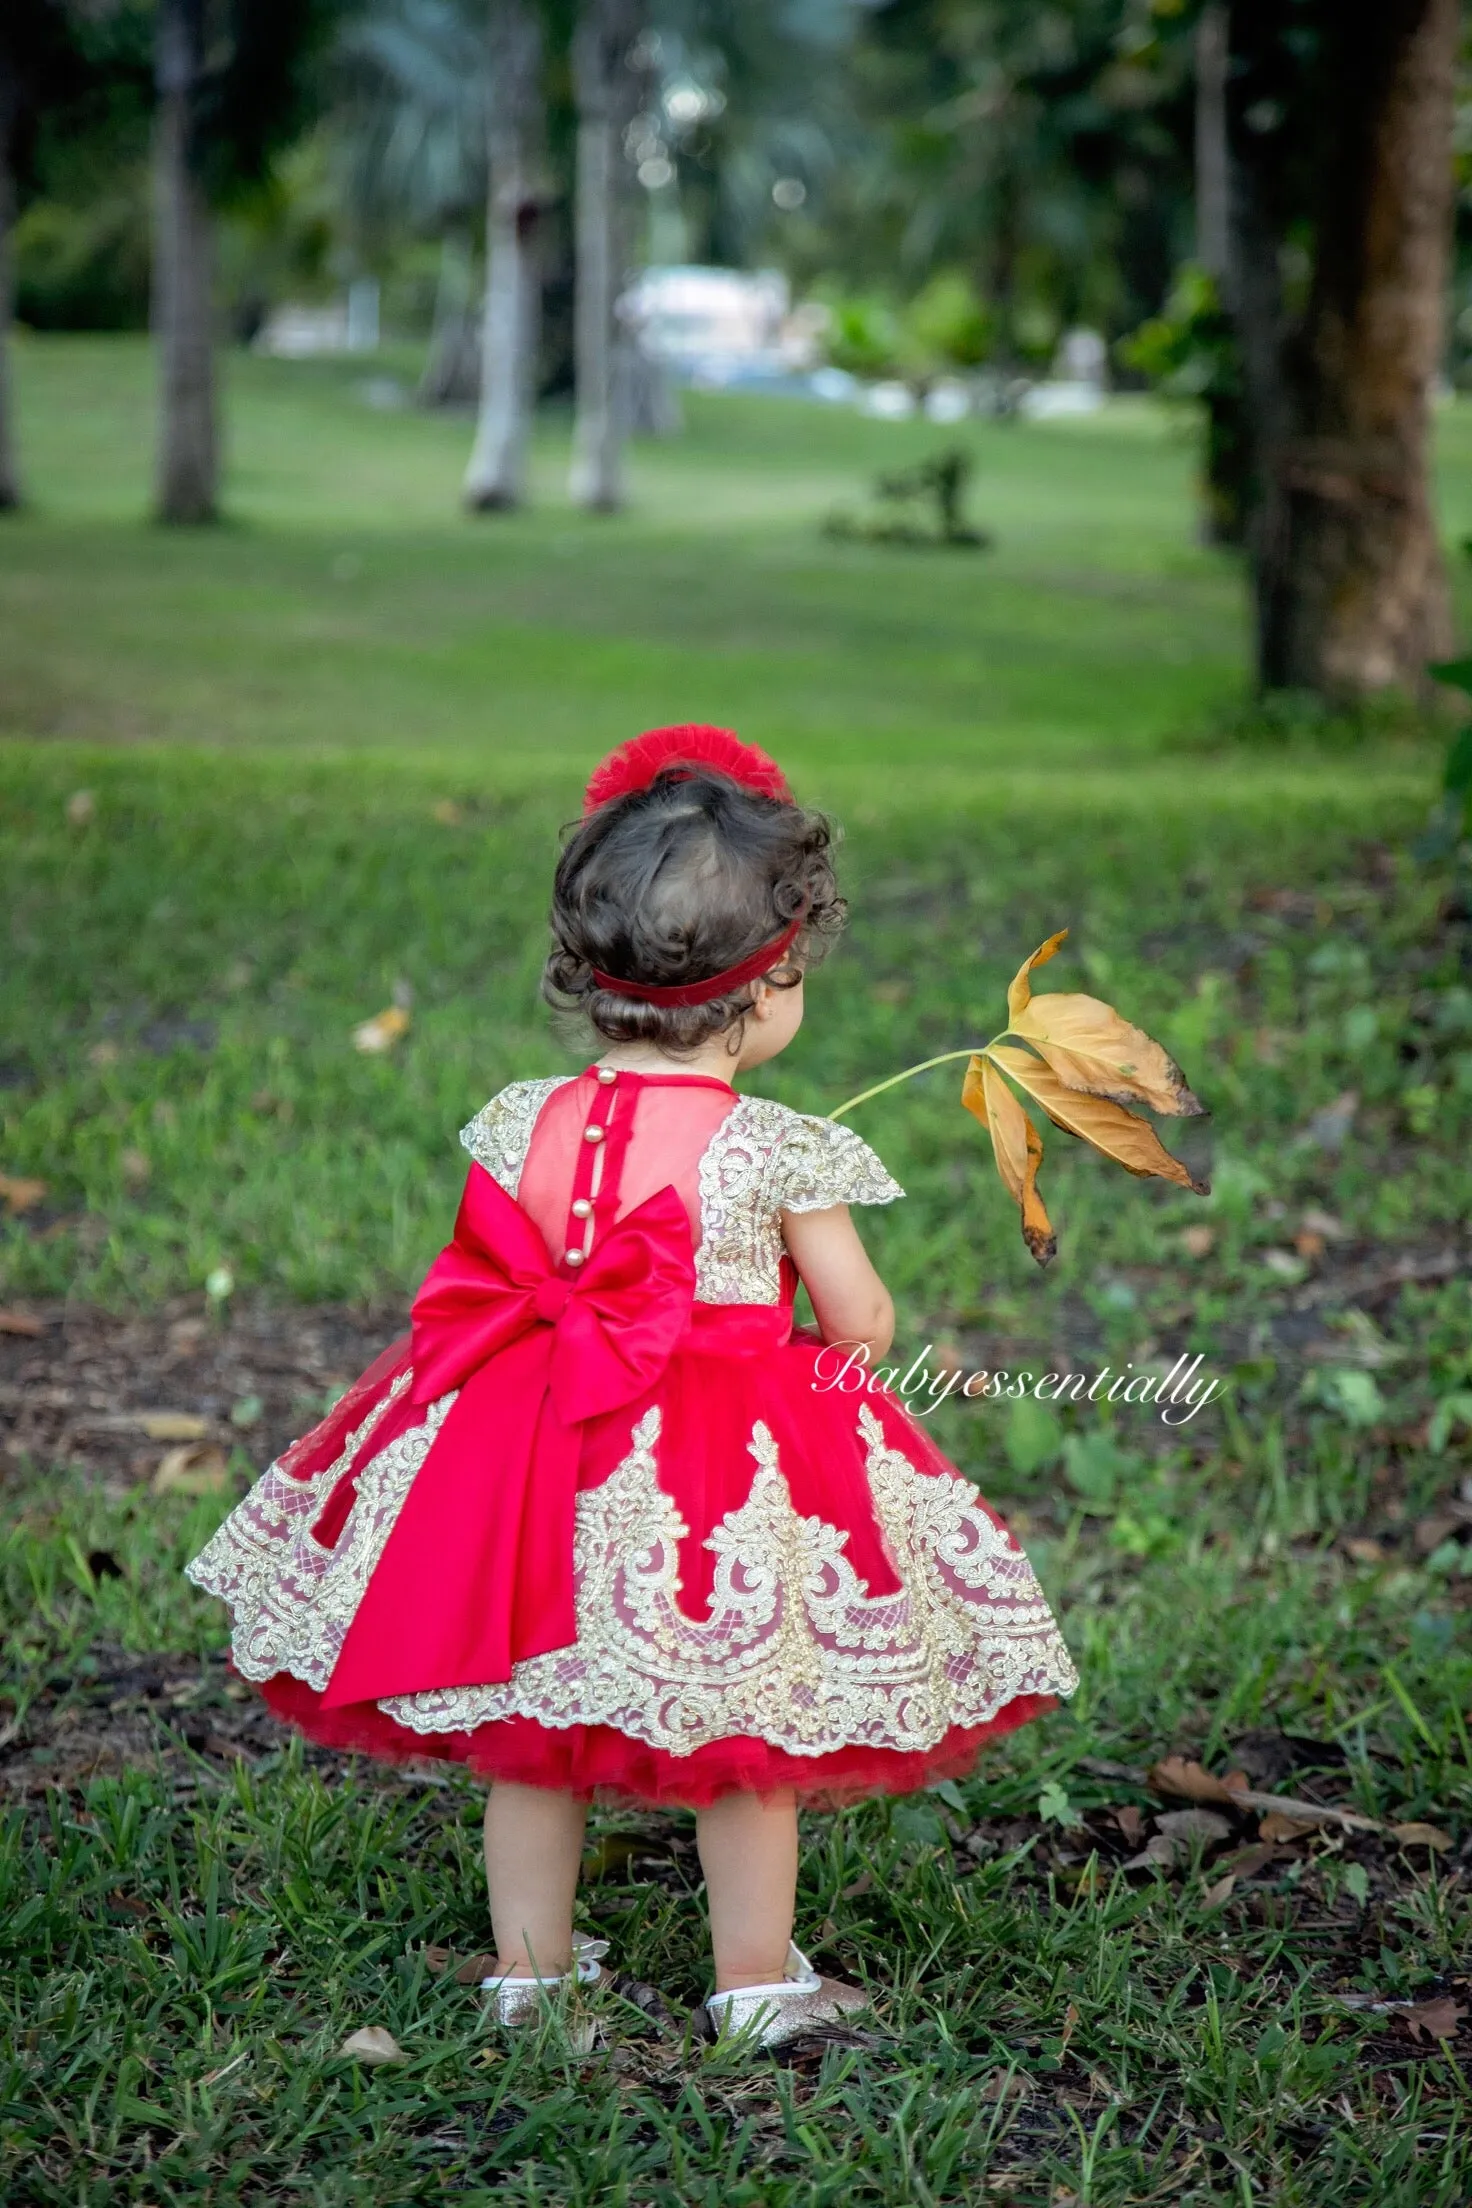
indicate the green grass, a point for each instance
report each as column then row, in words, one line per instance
column 268, row 717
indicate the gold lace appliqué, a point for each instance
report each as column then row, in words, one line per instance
column 762, row 1160
column 291, row 1600
column 793, row 1650
column 500, row 1134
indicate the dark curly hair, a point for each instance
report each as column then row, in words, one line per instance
column 673, row 883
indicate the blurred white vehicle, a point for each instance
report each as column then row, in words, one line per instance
column 718, row 326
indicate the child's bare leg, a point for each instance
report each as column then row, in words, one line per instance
column 748, row 1852
column 534, row 1847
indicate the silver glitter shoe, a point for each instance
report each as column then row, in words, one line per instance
column 520, row 1999
column 801, row 2002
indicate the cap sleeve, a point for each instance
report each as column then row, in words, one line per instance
column 822, row 1162
column 500, row 1132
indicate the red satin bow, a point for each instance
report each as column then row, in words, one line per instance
column 477, row 1573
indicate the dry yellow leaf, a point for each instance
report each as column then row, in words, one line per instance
column 1019, row 994
column 191, row 1470
column 1275, row 1826
column 1018, row 1148
column 20, row 1195
column 172, row 1425
column 372, row 2043
column 1132, row 1142
column 1090, row 1047
column 1422, row 1836
column 383, row 1030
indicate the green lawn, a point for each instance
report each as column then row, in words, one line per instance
column 328, row 748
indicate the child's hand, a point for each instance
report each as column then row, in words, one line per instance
column 850, row 1301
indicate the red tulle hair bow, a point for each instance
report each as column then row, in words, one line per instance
column 692, row 745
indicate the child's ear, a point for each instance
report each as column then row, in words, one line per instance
column 761, row 1003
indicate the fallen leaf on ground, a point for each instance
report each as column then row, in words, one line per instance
column 1198, row 1241
column 466, row 1970
column 1310, row 1246
column 1429, row 1533
column 383, row 1030
column 446, row 812
column 863, row 1884
column 1193, row 1824
column 1182, row 1775
column 1365, row 1552
column 19, row 1194
column 20, row 1322
column 1006, row 2085
column 1178, row 1775
column 1276, row 1827
column 1417, row 1835
column 1158, row 1849
column 1248, row 1861
column 372, row 2044
column 81, row 808
column 172, row 1425
column 1070, row 2025
column 1130, row 1820
column 1323, row 1224
column 1215, row 1895
column 191, row 1470
column 1437, row 2019
column 135, row 1167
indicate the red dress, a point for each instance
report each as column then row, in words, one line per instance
column 605, row 1522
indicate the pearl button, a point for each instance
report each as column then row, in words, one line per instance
column 607, row 1074
column 592, row 1134
column 582, row 1209
column 575, row 1257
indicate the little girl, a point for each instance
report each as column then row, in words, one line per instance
column 595, row 1525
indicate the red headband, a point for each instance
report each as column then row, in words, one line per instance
column 702, row 992
column 684, row 751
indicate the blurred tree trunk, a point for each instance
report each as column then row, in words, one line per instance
column 606, row 88
column 1212, row 233
column 1225, row 484
column 9, row 471
column 1351, row 593
column 186, row 482
column 496, row 476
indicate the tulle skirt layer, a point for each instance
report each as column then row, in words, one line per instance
column 597, row 1761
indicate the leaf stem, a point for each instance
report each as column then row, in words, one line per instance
column 946, row 1057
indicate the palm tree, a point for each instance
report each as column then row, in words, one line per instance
column 9, row 104
column 515, row 197
column 606, row 83
column 187, row 455
column 233, row 83
column 409, row 131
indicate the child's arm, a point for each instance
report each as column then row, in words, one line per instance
column 850, row 1301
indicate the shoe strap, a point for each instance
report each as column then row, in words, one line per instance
column 586, row 1968
column 800, row 1977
